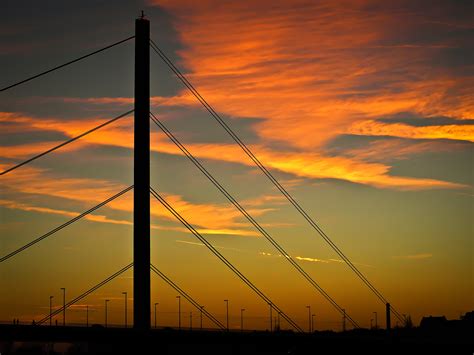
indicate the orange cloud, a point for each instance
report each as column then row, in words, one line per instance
column 30, row 208
column 209, row 218
column 22, row 151
column 104, row 219
column 312, row 69
column 399, row 149
column 299, row 163
column 37, row 181
column 310, row 165
column 374, row 128
column 266, row 200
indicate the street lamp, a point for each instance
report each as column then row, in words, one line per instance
column 242, row 319
column 179, row 312
column 309, row 318
column 271, row 318
column 312, row 322
column 106, row 301
column 343, row 320
column 201, row 315
column 227, row 312
column 64, row 305
column 376, row 325
column 50, row 309
column 156, row 304
column 125, row 294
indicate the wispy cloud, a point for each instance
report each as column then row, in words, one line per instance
column 215, row 246
column 420, row 256
column 394, row 149
column 208, row 218
column 314, row 260
column 31, row 208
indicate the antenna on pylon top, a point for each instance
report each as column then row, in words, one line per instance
column 142, row 15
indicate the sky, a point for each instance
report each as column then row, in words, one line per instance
column 362, row 109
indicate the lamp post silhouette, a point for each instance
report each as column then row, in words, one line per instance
column 50, row 309
column 312, row 322
column 64, row 305
column 201, row 307
column 106, row 301
column 376, row 325
column 242, row 319
column 227, row 313
column 271, row 318
column 179, row 312
column 343, row 320
column 156, row 304
column 125, row 294
column 309, row 318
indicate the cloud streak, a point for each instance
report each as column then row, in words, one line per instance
column 374, row 128
column 420, row 256
column 299, row 163
column 210, row 219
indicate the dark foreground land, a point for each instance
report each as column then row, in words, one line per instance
column 97, row 340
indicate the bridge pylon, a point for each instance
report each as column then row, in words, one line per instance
column 141, row 176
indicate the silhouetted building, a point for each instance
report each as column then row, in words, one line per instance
column 468, row 317
column 433, row 322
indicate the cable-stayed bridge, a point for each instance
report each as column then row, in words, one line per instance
column 142, row 189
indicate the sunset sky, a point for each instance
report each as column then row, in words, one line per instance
column 364, row 111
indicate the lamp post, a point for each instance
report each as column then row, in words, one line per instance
column 156, row 304
column 376, row 325
column 50, row 309
column 64, row 305
column 201, row 315
column 227, row 313
column 179, row 312
column 271, row 318
column 242, row 319
column 343, row 320
column 309, row 318
column 125, row 294
column 106, row 301
column 312, row 322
